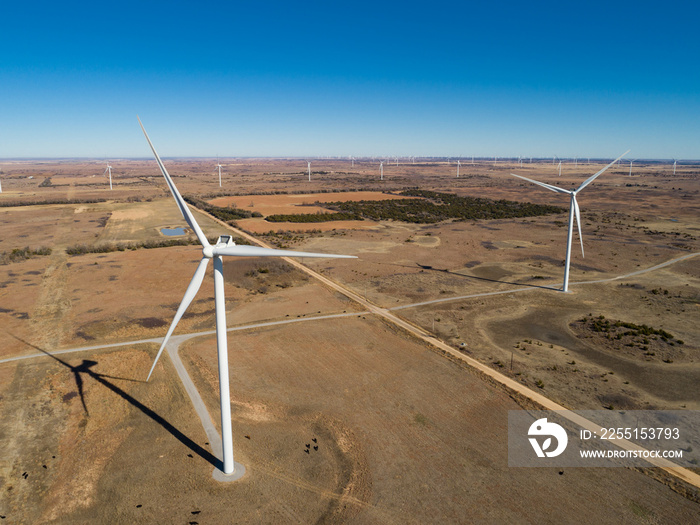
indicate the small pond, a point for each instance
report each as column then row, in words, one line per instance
column 172, row 232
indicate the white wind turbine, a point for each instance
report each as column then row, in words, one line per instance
column 381, row 171
column 674, row 166
column 218, row 165
column 109, row 169
column 560, row 168
column 224, row 246
column 308, row 163
column 573, row 213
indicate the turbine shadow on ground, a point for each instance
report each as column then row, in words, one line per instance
column 86, row 368
column 466, row 276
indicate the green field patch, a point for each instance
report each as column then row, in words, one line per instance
column 431, row 207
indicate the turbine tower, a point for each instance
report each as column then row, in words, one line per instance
column 381, row 171
column 458, row 165
column 631, row 168
column 109, row 169
column 224, row 246
column 218, row 165
column 308, row 163
column 674, row 166
column 560, row 168
column 573, row 213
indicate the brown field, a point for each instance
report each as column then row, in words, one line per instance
column 405, row 435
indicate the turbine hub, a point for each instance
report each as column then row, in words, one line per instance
column 208, row 252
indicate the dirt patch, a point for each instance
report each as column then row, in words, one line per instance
column 298, row 203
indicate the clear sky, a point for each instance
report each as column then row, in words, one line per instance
column 356, row 78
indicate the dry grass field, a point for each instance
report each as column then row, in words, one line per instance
column 405, row 435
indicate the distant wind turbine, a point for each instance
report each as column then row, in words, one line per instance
column 560, row 168
column 109, row 169
column 308, row 163
column 458, row 165
column 573, row 213
column 381, row 171
column 218, row 165
column 674, row 166
column 224, row 246
column 630, row 168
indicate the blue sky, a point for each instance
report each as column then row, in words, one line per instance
column 350, row 78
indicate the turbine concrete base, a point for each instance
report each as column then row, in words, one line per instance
column 238, row 473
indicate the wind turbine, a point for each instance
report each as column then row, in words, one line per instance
column 573, row 212
column 458, row 165
column 674, row 166
column 560, row 168
column 218, row 165
column 308, row 163
column 109, row 169
column 631, row 168
column 224, row 246
column 381, row 171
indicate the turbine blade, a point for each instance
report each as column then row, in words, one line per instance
column 593, row 177
column 257, row 251
column 176, row 194
column 192, row 290
column 577, row 212
column 544, row 185
column 105, row 171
